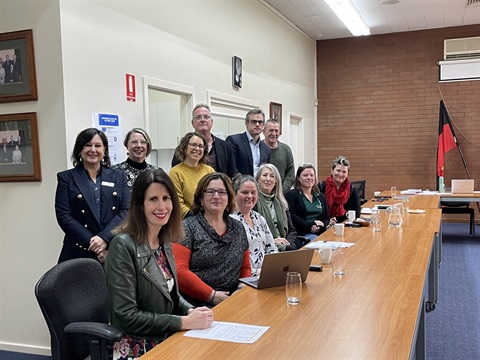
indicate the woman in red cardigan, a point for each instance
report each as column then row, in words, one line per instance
column 341, row 195
column 214, row 254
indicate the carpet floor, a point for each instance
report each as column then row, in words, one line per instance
column 453, row 328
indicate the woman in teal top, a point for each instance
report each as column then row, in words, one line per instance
column 308, row 206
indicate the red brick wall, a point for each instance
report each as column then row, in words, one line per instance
column 378, row 101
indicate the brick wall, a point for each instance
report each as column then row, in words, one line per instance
column 378, row 101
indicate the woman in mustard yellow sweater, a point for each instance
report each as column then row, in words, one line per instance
column 192, row 150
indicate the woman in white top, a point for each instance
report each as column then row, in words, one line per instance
column 260, row 239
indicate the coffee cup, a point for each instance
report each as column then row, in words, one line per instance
column 326, row 255
column 339, row 229
column 351, row 215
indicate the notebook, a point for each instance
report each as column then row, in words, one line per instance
column 462, row 186
column 275, row 267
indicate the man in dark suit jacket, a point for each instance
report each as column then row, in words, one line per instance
column 248, row 150
column 220, row 153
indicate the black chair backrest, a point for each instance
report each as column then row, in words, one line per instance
column 454, row 204
column 360, row 186
column 74, row 290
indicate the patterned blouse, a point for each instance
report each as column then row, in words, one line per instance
column 132, row 169
column 260, row 239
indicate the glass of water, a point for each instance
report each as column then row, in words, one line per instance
column 393, row 191
column 376, row 220
column 293, row 288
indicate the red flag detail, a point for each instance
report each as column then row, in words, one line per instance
column 446, row 138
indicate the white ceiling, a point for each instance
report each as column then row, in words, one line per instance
column 317, row 20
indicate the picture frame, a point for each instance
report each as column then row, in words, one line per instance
column 19, row 148
column 237, row 75
column 18, row 81
column 276, row 113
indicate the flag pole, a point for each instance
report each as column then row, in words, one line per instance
column 460, row 151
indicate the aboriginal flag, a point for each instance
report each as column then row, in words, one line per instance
column 446, row 138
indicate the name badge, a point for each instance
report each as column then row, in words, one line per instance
column 106, row 183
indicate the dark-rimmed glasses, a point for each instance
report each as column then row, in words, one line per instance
column 211, row 192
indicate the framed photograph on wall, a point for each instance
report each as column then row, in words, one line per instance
column 237, row 72
column 19, row 149
column 276, row 112
column 18, row 81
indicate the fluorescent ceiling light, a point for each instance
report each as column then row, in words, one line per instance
column 349, row 16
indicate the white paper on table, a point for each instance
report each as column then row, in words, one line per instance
column 227, row 331
column 333, row 244
column 427, row 192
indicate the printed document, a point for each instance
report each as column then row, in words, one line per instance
column 227, row 331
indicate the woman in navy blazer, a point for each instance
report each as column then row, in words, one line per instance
column 91, row 199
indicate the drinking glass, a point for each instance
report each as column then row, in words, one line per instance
column 338, row 262
column 376, row 220
column 293, row 288
column 393, row 191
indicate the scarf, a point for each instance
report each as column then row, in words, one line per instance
column 336, row 198
column 263, row 207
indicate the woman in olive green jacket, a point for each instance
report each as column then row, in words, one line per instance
column 141, row 272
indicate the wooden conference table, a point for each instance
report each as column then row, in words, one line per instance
column 376, row 311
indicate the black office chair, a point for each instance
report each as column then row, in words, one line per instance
column 459, row 207
column 74, row 301
column 360, row 186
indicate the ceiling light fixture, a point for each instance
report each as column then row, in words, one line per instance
column 347, row 13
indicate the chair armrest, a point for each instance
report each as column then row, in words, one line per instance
column 301, row 241
column 100, row 330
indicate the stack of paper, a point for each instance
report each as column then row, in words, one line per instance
column 333, row 244
column 411, row 191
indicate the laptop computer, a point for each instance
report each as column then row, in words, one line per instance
column 275, row 267
column 462, row 186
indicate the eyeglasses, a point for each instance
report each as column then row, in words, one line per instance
column 204, row 117
column 135, row 143
column 211, row 192
column 194, row 146
column 255, row 122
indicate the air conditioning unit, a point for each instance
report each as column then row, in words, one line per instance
column 465, row 48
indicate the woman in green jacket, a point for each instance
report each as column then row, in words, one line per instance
column 141, row 272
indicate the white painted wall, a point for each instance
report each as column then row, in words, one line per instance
column 83, row 50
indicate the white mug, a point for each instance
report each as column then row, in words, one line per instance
column 339, row 229
column 351, row 215
column 326, row 255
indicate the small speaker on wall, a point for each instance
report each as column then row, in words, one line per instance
column 237, row 72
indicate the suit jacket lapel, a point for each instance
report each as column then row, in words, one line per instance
column 248, row 150
column 107, row 176
column 82, row 180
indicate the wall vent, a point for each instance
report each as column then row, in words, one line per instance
column 465, row 48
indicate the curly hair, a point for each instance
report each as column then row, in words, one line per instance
column 181, row 150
